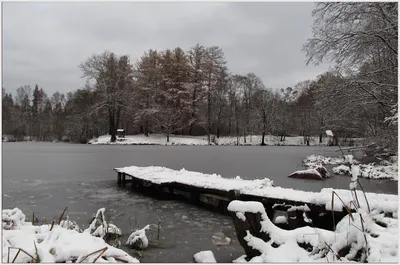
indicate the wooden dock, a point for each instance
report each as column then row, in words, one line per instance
column 218, row 200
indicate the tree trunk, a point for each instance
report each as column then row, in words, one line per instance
column 237, row 134
column 118, row 117
column 112, row 126
column 209, row 116
column 320, row 137
column 230, row 124
column 263, row 135
column 167, row 137
column 262, row 139
column 146, row 127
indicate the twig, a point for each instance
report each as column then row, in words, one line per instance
column 365, row 196
column 356, row 197
column 85, row 257
column 22, row 251
column 62, row 215
column 363, row 230
column 37, row 260
column 101, row 253
column 345, row 206
column 19, row 250
column 337, row 255
column 119, row 259
column 52, row 224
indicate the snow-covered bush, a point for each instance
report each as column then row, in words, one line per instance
column 100, row 228
column 316, row 160
column 361, row 236
column 371, row 171
column 138, row 239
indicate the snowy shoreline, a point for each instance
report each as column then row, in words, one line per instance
column 384, row 170
column 160, row 139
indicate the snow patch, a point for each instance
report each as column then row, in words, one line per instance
column 281, row 220
column 204, row 257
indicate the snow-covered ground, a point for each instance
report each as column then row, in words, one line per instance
column 53, row 243
column 160, row 139
column 387, row 170
column 260, row 187
column 364, row 237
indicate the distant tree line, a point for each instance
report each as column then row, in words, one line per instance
column 193, row 92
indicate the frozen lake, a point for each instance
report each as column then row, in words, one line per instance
column 46, row 177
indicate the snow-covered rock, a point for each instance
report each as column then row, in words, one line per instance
column 317, row 172
column 281, row 220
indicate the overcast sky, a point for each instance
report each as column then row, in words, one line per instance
column 43, row 43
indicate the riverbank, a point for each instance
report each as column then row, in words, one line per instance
column 271, row 140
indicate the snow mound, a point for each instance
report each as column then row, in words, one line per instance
column 341, row 170
column 315, row 160
column 204, row 257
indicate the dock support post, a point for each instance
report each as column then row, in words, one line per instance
column 123, row 179
column 133, row 187
column 119, row 179
column 194, row 197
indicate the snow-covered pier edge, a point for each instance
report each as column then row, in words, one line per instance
column 214, row 192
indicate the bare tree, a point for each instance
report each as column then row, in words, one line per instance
column 110, row 75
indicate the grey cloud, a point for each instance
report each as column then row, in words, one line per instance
column 45, row 42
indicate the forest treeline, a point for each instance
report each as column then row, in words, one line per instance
column 192, row 92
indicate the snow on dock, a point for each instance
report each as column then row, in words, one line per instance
column 163, row 175
column 259, row 189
